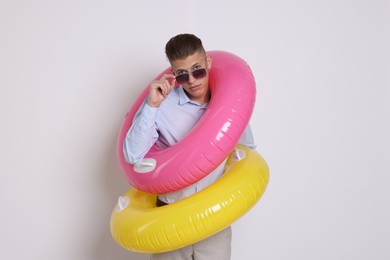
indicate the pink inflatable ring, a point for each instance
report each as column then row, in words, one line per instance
column 233, row 93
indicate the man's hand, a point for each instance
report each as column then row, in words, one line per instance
column 159, row 89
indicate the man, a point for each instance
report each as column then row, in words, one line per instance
column 166, row 116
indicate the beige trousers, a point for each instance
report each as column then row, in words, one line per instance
column 216, row 247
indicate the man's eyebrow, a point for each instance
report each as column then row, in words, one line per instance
column 194, row 65
column 181, row 70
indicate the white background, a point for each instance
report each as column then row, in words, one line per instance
column 70, row 70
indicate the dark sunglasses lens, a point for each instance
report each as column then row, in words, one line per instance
column 182, row 78
column 200, row 73
column 197, row 74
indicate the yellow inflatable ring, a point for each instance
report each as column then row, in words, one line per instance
column 138, row 225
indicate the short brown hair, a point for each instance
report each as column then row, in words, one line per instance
column 183, row 45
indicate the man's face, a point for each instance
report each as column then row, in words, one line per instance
column 196, row 89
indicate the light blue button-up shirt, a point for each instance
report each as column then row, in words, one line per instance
column 165, row 126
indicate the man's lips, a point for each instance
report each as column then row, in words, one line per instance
column 194, row 87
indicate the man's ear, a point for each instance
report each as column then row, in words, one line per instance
column 209, row 61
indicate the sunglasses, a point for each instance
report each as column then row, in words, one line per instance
column 185, row 77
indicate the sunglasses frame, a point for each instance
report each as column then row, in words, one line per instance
column 185, row 77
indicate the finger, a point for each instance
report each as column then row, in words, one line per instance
column 163, row 88
column 170, row 84
column 167, row 76
column 167, row 87
column 166, row 83
column 173, row 82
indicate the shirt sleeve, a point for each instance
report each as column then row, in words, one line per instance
column 141, row 135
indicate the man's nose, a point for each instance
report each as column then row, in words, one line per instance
column 191, row 78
